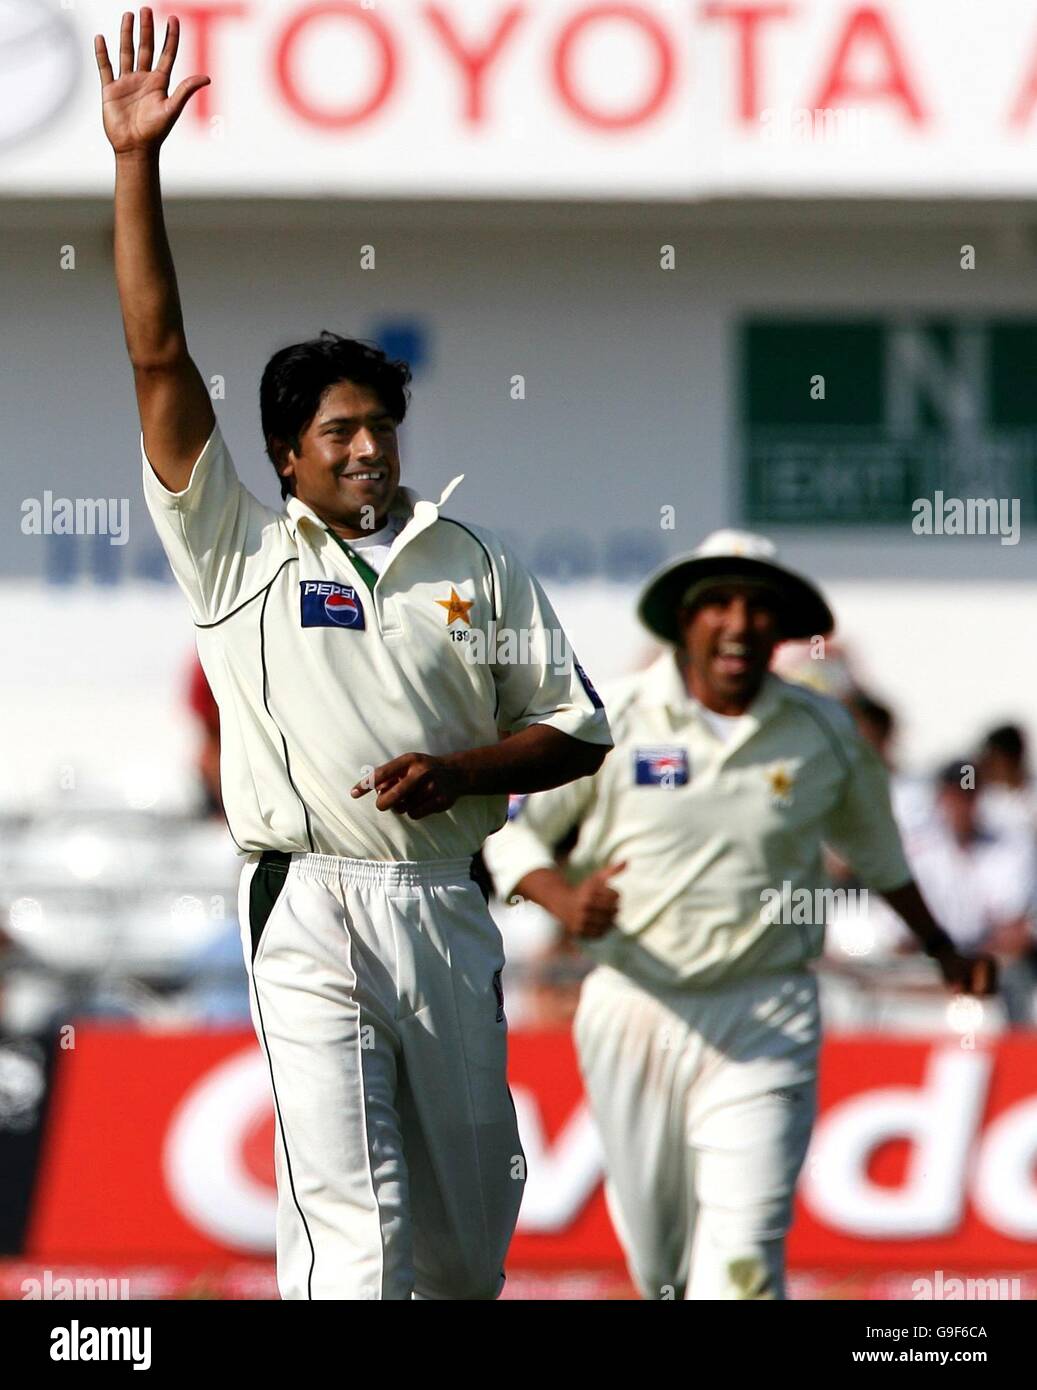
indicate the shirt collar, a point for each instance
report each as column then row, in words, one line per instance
column 415, row 512
column 663, row 684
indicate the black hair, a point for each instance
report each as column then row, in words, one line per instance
column 1007, row 739
column 296, row 377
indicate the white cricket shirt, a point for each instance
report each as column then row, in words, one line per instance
column 323, row 669
column 708, row 826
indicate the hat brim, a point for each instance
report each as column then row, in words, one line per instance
column 804, row 613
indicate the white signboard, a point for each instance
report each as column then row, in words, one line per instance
column 554, row 98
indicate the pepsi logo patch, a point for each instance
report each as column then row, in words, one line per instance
column 663, row 766
column 324, row 604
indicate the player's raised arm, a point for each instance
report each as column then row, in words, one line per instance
column 175, row 410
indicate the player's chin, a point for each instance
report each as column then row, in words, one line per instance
column 734, row 687
column 738, row 682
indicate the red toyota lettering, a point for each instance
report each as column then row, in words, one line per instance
column 748, row 20
column 385, row 67
column 1022, row 111
column 474, row 61
column 576, row 30
column 200, row 21
column 867, row 28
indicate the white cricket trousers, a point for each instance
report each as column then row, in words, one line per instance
column 376, row 997
column 704, row 1102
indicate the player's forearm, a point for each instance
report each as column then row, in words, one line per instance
column 144, row 272
column 908, row 903
column 533, row 760
column 547, row 888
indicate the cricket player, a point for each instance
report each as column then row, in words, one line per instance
column 362, row 765
column 697, row 1032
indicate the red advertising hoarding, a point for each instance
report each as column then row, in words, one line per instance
column 158, row 1147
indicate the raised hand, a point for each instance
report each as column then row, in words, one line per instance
column 136, row 107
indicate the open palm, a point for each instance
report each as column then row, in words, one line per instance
column 136, row 107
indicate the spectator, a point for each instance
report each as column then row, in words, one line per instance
column 910, row 796
column 981, row 886
column 1008, row 804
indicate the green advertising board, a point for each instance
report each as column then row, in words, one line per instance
column 852, row 420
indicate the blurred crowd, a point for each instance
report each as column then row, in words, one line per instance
column 132, row 915
column 970, row 836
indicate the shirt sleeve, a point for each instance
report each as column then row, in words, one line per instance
column 222, row 543
column 535, row 825
column 862, row 829
column 537, row 675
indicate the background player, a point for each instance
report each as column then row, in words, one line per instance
column 333, row 636
column 698, row 1032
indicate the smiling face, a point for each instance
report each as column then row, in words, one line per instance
column 347, row 469
column 729, row 637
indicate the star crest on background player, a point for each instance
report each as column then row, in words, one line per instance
column 781, row 783
column 456, row 607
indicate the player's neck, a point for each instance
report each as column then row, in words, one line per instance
column 350, row 532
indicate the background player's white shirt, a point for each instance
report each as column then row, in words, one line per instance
column 707, row 829
column 321, row 676
column 975, row 888
column 1009, row 810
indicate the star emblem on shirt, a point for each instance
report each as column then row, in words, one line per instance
column 456, row 607
column 781, row 783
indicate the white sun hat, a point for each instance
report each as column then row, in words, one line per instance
column 734, row 556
